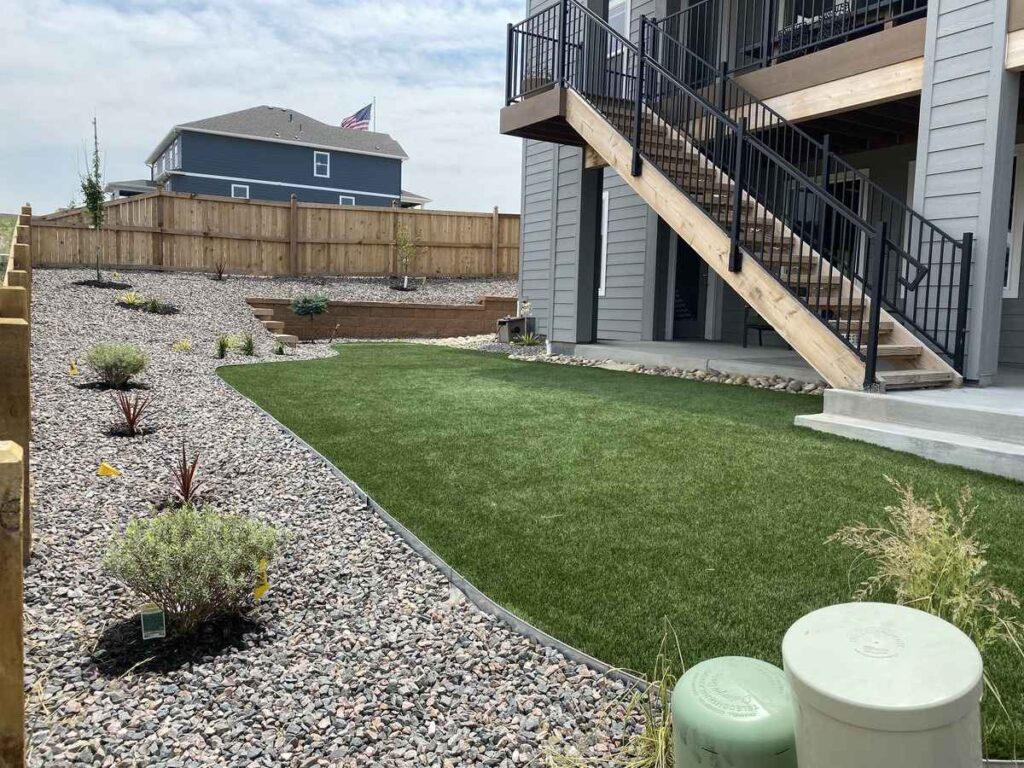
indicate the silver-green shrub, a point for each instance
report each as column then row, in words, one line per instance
column 115, row 364
column 194, row 562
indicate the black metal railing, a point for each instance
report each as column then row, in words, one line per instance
column 749, row 170
column 918, row 252
column 756, row 33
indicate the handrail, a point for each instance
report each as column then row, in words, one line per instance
column 777, row 174
column 909, row 236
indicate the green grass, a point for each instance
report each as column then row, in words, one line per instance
column 593, row 503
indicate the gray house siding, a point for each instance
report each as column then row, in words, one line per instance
column 550, row 224
column 965, row 146
column 371, row 180
column 536, row 222
column 620, row 313
column 1011, row 337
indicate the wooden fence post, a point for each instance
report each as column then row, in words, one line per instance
column 293, row 236
column 15, row 395
column 12, row 599
column 494, row 242
column 158, row 236
column 393, row 252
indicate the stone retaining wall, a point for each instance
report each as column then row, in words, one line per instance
column 383, row 320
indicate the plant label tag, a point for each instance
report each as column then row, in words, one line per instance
column 153, row 624
column 262, row 582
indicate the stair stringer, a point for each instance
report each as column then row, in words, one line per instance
column 927, row 362
column 814, row 342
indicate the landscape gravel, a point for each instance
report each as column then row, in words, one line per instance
column 361, row 654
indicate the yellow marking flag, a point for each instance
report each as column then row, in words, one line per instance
column 262, row 582
column 107, row 470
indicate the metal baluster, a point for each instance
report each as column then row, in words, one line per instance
column 875, row 288
column 735, row 255
column 963, row 298
column 639, row 88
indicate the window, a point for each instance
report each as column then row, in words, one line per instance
column 346, row 200
column 240, row 190
column 322, row 164
column 618, row 16
column 604, row 244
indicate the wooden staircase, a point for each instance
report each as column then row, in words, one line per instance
column 805, row 298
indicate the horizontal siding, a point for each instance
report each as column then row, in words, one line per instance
column 535, row 248
column 620, row 310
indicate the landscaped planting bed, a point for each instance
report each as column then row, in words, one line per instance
column 594, row 503
column 360, row 654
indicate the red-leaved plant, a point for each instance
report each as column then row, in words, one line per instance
column 186, row 485
column 133, row 411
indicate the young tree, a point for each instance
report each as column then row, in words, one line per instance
column 409, row 252
column 93, row 197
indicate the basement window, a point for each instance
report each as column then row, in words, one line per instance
column 322, row 165
column 346, row 200
column 240, row 190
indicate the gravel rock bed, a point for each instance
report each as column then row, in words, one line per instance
column 487, row 343
column 433, row 291
column 360, row 655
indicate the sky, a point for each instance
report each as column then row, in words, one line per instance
column 435, row 67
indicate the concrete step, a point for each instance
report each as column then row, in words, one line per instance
column 287, row 339
column 963, row 411
column 263, row 313
column 274, row 326
column 983, row 454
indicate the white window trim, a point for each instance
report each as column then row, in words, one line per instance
column 1011, row 290
column 346, row 200
column 316, row 163
column 240, row 186
column 604, row 243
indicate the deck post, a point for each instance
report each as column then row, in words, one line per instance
column 641, row 62
column 12, row 649
column 963, row 300
column 563, row 15
column 735, row 255
column 876, row 290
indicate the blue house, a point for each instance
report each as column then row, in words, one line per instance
column 271, row 153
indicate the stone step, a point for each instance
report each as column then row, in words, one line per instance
column 984, row 454
column 982, row 412
column 289, row 340
column 274, row 326
column 263, row 313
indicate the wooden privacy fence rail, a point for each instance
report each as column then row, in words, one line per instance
column 15, row 509
column 199, row 233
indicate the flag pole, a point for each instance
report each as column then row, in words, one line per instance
column 374, row 112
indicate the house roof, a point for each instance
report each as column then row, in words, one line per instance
column 411, row 198
column 290, row 127
column 134, row 185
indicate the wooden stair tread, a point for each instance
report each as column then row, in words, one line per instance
column 914, row 378
column 896, row 350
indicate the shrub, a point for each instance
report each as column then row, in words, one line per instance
column 223, row 345
column 186, row 485
column 115, row 364
column 133, row 411
column 159, row 307
column 925, row 556
column 219, row 271
column 130, row 299
column 194, row 562
column 526, row 340
column 279, row 348
column 182, row 345
column 309, row 304
column 247, row 346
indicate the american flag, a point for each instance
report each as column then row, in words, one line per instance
column 360, row 121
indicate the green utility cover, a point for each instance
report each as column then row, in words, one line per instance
column 733, row 711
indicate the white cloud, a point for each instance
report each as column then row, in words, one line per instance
column 435, row 67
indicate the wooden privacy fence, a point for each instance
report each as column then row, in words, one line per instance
column 174, row 231
column 15, row 515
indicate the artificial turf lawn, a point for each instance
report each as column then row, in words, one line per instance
column 594, row 503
